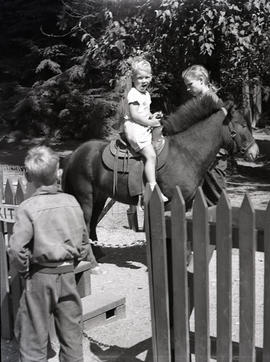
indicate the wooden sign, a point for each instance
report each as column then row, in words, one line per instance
column 7, row 212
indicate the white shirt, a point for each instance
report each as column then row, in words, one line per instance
column 143, row 100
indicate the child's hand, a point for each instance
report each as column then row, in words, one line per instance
column 158, row 115
column 155, row 120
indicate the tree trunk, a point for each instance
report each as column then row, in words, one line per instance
column 257, row 102
column 246, row 97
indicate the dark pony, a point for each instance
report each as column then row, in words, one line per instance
column 196, row 131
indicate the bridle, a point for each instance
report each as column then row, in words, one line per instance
column 237, row 146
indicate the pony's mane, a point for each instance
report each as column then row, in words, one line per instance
column 191, row 112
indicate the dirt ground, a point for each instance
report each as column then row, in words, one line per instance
column 125, row 266
column 129, row 339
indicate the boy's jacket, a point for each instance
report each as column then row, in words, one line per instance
column 49, row 227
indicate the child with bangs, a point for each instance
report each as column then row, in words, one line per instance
column 139, row 122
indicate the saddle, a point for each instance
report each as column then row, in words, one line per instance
column 119, row 157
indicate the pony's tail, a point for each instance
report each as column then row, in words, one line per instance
column 64, row 164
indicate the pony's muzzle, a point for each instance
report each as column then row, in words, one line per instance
column 253, row 152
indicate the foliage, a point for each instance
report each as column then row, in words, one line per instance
column 72, row 57
column 65, row 111
column 57, row 94
column 49, row 64
column 227, row 36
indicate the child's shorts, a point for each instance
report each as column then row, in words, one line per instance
column 137, row 135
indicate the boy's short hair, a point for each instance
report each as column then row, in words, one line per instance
column 41, row 165
column 140, row 63
column 196, row 71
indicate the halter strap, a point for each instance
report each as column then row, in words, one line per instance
column 243, row 150
column 235, row 136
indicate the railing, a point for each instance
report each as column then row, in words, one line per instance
column 179, row 249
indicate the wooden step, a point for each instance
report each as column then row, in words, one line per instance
column 102, row 308
column 97, row 309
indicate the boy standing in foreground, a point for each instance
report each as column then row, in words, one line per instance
column 49, row 239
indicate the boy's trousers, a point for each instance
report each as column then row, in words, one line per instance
column 47, row 294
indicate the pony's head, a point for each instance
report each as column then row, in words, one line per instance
column 238, row 135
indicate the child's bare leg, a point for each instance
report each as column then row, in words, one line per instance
column 150, row 167
column 150, row 164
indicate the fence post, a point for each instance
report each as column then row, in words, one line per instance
column 247, row 281
column 20, row 194
column 179, row 278
column 15, row 279
column 224, row 279
column 266, row 322
column 6, row 323
column 201, row 277
column 147, row 196
column 160, row 276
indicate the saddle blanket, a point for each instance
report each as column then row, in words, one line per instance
column 122, row 159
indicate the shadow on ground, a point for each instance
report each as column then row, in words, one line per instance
column 124, row 257
column 118, row 354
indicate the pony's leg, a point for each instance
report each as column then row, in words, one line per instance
column 98, row 206
column 92, row 204
column 86, row 203
column 85, row 197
